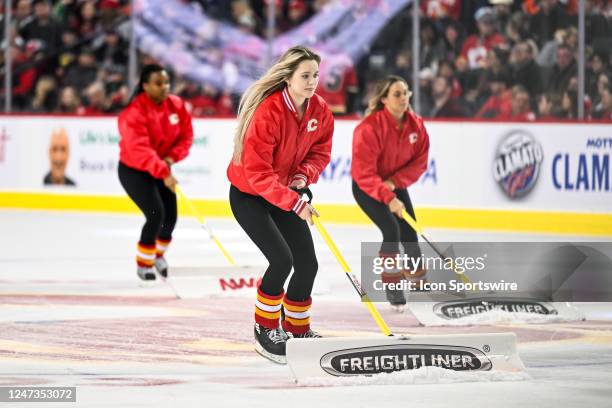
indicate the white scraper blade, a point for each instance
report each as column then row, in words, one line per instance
column 359, row 356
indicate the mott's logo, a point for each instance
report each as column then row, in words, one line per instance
column 517, row 163
column 461, row 308
column 391, row 358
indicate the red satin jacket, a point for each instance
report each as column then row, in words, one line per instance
column 382, row 151
column 279, row 148
column 150, row 132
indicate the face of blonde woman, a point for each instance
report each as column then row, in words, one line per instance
column 305, row 79
column 397, row 98
column 59, row 151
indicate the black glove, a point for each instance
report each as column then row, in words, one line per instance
column 302, row 191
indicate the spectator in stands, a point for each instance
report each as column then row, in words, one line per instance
column 297, row 13
column 403, row 64
column 441, row 9
column 338, row 85
column 444, row 105
column 545, row 108
column 502, row 9
column 562, row 72
column 603, row 110
column 548, row 54
column 88, row 19
column 43, row 27
column 446, row 69
column 476, row 46
column 95, row 96
column 598, row 64
column 45, row 96
column 26, row 72
column 69, row 101
column 108, row 12
column 448, row 46
column 113, row 50
column 525, row 71
column 569, row 108
column 23, row 14
column 244, row 17
column 428, row 39
column 521, row 109
column 549, row 17
column 603, row 81
column 499, row 103
column 281, row 24
column 84, row 72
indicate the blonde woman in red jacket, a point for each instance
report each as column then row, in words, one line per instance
column 156, row 132
column 390, row 149
column 283, row 142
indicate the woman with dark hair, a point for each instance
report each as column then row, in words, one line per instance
column 390, row 150
column 282, row 144
column 156, row 132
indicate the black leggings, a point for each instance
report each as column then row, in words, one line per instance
column 154, row 199
column 284, row 239
column 393, row 229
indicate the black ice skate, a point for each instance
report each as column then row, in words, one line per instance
column 146, row 273
column 396, row 299
column 162, row 267
column 271, row 343
column 310, row 334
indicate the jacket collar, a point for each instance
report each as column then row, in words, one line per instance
column 289, row 102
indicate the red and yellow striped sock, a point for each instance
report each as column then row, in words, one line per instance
column 161, row 245
column 145, row 255
column 391, row 275
column 297, row 315
column 268, row 309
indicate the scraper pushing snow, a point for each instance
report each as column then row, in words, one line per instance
column 202, row 281
column 358, row 356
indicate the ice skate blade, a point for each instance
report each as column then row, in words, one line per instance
column 397, row 308
column 147, row 283
column 272, row 357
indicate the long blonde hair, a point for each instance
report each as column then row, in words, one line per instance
column 382, row 91
column 272, row 81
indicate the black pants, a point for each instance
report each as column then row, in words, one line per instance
column 154, row 199
column 393, row 229
column 283, row 238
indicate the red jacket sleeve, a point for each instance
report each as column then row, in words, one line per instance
column 367, row 149
column 319, row 155
column 181, row 147
column 135, row 137
column 410, row 173
column 257, row 157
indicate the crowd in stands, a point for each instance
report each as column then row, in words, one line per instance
column 489, row 59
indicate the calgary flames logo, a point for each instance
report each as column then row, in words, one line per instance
column 312, row 125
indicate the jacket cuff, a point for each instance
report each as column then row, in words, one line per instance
column 299, row 206
column 300, row 176
column 165, row 171
column 387, row 195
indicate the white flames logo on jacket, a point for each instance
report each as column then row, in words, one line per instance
column 174, row 119
column 412, row 138
column 313, row 124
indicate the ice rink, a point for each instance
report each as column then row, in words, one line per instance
column 72, row 313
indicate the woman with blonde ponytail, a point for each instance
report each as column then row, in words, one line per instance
column 282, row 144
column 390, row 149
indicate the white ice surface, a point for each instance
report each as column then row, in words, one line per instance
column 73, row 314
